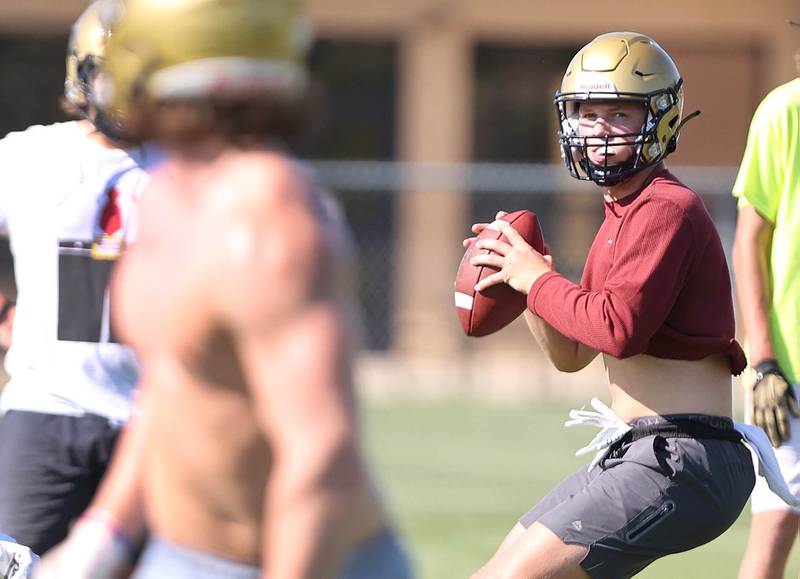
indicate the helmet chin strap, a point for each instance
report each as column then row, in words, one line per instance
column 604, row 174
column 607, row 175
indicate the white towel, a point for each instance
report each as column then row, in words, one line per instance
column 611, row 426
column 756, row 439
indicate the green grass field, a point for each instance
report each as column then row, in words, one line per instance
column 458, row 473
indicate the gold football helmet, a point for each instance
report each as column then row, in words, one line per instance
column 167, row 50
column 621, row 66
column 85, row 51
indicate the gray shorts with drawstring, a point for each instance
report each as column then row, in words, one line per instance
column 674, row 483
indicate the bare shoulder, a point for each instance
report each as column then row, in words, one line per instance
column 275, row 198
column 262, row 178
column 265, row 189
column 281, row 243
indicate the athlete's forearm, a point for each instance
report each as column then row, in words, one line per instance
column 751, row 264
column 314, row 513
column 301, row 381
column 566, row 354
column 120, row 493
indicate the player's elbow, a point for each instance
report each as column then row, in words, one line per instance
column 344, row 473
column 333, row 466
column 623, row 333
column 569, row 364
column 623, row 339
column 569, row 368
column 625, row 346
column 564, row 356
column 582, row 356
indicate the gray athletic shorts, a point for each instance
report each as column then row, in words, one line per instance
column 382, row 557
column 674, row 483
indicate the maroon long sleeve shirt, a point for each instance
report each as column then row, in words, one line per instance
column 655, row 282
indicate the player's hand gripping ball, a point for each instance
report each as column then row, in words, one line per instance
column 485, row 312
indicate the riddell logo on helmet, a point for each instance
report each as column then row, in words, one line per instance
column 597, row 86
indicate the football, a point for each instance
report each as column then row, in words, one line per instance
column 483, row 313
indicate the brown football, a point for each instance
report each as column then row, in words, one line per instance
column 486, row 312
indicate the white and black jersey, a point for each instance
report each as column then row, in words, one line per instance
column 68, row 205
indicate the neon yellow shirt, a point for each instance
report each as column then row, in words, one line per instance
column 769, row 180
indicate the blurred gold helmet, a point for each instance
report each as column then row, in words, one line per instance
column 85, row 52
column 621, row 66
column 190, row 50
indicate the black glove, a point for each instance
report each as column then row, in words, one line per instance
column 772, row 401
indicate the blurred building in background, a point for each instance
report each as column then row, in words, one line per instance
column 433, row 114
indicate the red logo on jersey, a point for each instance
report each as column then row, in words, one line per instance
column 109, row 243
column 111, row 216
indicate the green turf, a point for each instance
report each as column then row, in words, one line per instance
column 458, row 473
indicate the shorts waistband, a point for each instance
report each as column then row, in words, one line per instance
column 163, row 558
column 683, row 426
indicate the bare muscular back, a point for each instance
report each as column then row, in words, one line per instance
column 214, row 257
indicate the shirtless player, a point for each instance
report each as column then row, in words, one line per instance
column 234, row 298
column 655, row 301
